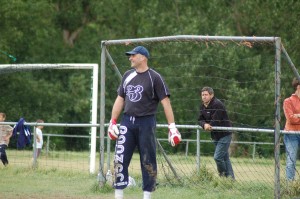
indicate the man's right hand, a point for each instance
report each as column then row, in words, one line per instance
column 113, row 131
column 207, row 127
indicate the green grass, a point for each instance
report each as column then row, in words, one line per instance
column 65, row 175
column 52, row 183
column 37, row 183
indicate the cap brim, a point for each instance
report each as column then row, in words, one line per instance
column 131, row 53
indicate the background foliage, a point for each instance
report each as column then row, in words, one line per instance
column 71, row 31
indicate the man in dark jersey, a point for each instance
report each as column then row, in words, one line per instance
column 139, row 93
column 213, row 113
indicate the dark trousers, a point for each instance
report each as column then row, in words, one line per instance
column 136, row 132
column 3, row 155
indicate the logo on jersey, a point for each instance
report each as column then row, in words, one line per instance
column 134, row 93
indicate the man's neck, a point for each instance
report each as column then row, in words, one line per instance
column 206, row 104
column 297, row 93
column 142, row 68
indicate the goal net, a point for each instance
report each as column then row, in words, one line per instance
column 64, row 96
column 246, row 73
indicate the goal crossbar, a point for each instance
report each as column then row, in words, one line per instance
column 190, row 38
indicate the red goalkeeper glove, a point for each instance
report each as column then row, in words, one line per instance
column 113, row 131
column 174, row 135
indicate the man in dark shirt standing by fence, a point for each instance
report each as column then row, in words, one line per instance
column 213, row 113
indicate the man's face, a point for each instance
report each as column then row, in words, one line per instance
column 136, row 60
column 2, row 119
column 206, row 97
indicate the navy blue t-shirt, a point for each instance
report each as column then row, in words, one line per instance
column 142, row 92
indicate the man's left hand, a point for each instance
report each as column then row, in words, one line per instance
column 174, row 135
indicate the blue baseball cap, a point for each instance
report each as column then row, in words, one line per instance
column 139, row 50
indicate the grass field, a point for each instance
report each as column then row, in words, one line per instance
column 65, row 175
column 22, row 183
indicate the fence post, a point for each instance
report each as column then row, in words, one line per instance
column 108, row 153
column 48, row 144
column 186, row 148
column 277, row 118
column 198, row 151
column 34, row 163
column 254, row 151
